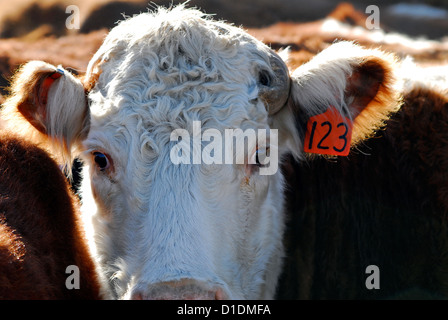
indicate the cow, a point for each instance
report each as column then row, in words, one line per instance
column 43, row 251
column 163, row 227
column 382, row 208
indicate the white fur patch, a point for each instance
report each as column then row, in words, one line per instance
column 159, row 222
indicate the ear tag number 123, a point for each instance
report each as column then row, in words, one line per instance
column 328, row 133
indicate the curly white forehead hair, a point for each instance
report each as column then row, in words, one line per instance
column 182, row 49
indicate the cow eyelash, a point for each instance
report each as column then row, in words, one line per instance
column 258, row 157
column 258, row 154
column 256, row 161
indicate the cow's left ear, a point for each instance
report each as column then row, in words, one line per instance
column 337, row 99
column 47, row 105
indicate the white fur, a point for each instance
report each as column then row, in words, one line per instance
column 160, row 222
column 335, row 28
column 429, row 76
column 67, row 114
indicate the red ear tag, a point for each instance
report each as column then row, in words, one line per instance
column 328, row 133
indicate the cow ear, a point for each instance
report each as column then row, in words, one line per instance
column 345, row 83
column 48, row 105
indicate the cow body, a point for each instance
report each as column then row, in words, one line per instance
column 384, row 205
column 40, row 231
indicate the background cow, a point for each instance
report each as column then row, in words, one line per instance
column 41, row 238
column 384, row 205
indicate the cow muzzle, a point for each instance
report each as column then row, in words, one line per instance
column 185, row 289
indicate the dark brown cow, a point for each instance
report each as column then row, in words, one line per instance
column 39, row 231
column 386, row 204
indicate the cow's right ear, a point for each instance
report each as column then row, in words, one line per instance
column 48, row 105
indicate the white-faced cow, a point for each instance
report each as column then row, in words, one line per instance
column 194, row 229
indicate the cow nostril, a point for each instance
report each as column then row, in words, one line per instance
column 220, row 295
column 137, row 296
column 180, row 290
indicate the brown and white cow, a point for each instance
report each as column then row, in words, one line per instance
column 172, row 81
column 43, row 251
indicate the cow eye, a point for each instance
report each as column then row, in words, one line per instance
column 101, row 160
column 264, row 78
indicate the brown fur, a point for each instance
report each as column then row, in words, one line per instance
column 386, row 204
column 307, row 39
column 31, row 104
column 372, row 88
column 73, row 50
column 40, row 234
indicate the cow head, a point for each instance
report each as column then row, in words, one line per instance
column 149, row 119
